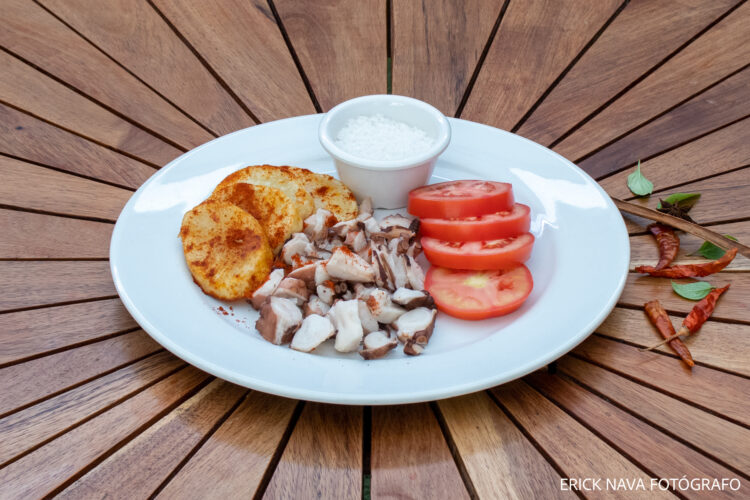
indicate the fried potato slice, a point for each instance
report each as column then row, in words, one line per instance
column 274, row 210
column 327, row 192
column 226, row 250
column 278, row 178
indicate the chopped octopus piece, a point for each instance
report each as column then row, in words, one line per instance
column 346, row 265
column 342, row 228
column 382, row 308
column 316, row 226
column 279, row 319
column 377, row 345
column 299, row 244
column 361, row 291
column 365, row 208
column 306, row 273
column 321, row 274
column 394, row 232
column 267, row 288
column 371, row 226
column 395, row 220
column 412, row 299
column 326, row 291
column 294, row 289
column 345, row 317
column 414, row 273
column 397, row 263
column 416, row 325
column 413, row 349
column 315, row 305
column 356, row 240
column 314, row 331
column 369, row 323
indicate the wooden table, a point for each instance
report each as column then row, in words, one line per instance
column 95, row 96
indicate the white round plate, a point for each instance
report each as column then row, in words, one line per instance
column 579, row 264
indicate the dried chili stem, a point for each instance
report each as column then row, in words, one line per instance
column 660, row 319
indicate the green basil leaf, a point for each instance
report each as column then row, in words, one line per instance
column 693, row 291
column 711, row 251
column 638, row 184
column 682, row 200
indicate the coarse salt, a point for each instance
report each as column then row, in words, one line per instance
column 376, row 137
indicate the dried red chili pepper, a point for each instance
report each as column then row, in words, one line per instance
column 690, row 270
column 660, row 319
column 668, row 243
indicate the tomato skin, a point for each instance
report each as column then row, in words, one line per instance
column 478, row 255
column 476, row 295
column 463, row 198
column 483, row 227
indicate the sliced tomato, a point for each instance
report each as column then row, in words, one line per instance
column 479, row 294
column 489, row 254
column 460, row 199
column 481, row 227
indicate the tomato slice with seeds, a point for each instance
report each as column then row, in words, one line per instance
column 482, row 227
column 489, row 254
column 460, row 199
column 479, row 294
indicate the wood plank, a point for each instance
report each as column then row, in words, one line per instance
column 231, row 464
column 575, row 449
column 732, row 306
column 714, row 55
column 27, row 382
column 323, row 458
column 29, row 138
column 35, row 35
column 126, row 30
column 47, row 468
column 26, row 88
column 436, row 47
column 29, row 284
column 700, row 385
column 144, row 463
column 720, row 345
column 725, row 440
column 536, row 41
column 410, row 458
column 710, row 155
column 650, row 34
column 658, row 453
column 63, row 237
column 643, row 249
column 714, row 108
column 28, row 428
column 242, row 43
column 29, row 186
column 30, row 333
column 341, row 45
column 492, row 447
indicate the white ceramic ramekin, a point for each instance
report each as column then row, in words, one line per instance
column 387, row 182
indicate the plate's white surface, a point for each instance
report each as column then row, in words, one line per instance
column 579, row 265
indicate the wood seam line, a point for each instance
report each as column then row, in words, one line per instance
column 663, row 430
column 51, row 213
column 82, row 136
column 63, row 171
column 645, row 75
column 698, row 179
column 661, row 114
column 277, row 454
column 111, row 58
column 480, row 61
column 58, row 304
column 199, row 444
column 366, row 450
column 570, row 66
column 93, row 415
column 388, row 47
column 682, row 314
column 526, row 434
column 659, row 389
column 78, row 384
column 112, row 110
column 296, row 60
column 205, row 63
column 673, row 356
column 106, row 336
column 455, row 454
column 137, row 432
column 596, row 433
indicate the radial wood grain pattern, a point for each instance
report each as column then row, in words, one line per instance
column 436, row 47
column 94, row 98
column 340, row 44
